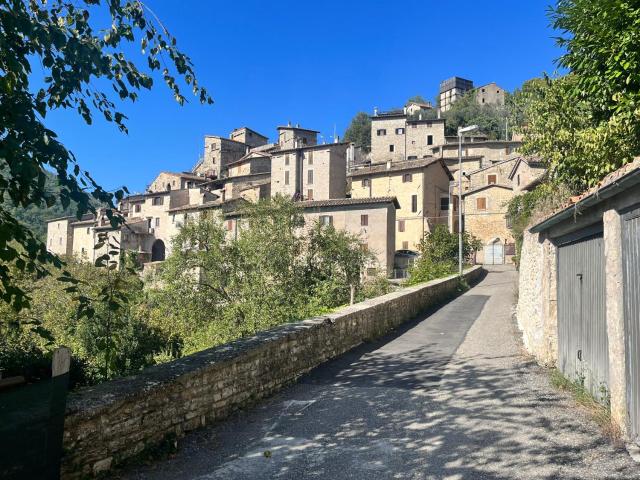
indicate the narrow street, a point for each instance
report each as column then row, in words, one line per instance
column 449, row 396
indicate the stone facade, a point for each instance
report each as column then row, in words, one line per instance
column 296, row 137
column 525, row 173
column 490, row 94
column 112, row 422
column 60, row 236
column 489, row 150
column 167, row 181
column 248, row 137
column 218, row 153
column 396, row 137
column 371, row 220
column 421, row 187
column 310, row 173
column 452, row 89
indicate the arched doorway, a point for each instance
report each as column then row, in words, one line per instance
column 157, row 251
column 494, row 252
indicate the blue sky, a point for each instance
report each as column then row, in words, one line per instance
column 317, row 64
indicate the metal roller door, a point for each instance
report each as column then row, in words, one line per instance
column 631, row 274
column 583, row 353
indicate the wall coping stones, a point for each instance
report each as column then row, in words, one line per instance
column 108, row 421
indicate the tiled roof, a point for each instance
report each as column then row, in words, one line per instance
column 337, row 202
column 484, row 187
column 396, row 166
column 590, row 196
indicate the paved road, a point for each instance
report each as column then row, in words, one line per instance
column 450, row 396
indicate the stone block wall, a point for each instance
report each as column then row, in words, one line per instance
column 114, row 421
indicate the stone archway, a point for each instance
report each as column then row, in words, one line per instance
column 157, row 251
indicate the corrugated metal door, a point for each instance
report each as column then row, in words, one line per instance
column 582, row 329
column 631, row 275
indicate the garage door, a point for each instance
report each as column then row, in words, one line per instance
column 582, row 330
column 494, row 254
column 631, row 274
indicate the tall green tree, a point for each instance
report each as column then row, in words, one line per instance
column 359, row 131
column 83, row 50
column 467, row 111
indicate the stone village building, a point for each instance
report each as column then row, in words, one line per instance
column 409, row 166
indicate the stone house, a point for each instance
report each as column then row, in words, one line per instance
column 525, row 173
column 490, row 94
column 166, row 181
column 296, row 137
column 421, row 188
column 249, row 137
column 316, row 172
column 218, row 153
column 371, row 219
column 396, row 137
column 579, row 302
column 414, row 109
column 491, row 151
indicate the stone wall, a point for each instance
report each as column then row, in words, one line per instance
column 116, row 420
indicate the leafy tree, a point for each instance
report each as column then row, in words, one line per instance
column 439, row 254
column 586, row 124
column 467, row 111
column 76, row 59
column 359, row 131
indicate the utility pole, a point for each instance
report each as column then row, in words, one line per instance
column 461, row 132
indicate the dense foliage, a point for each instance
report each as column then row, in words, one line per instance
column 214, row 288
column 439, row 253
column 77, row 47
column 359, row 131
column 465, row 111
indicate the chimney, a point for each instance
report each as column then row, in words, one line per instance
column 289, row 123
column 388, row 164
column 420, row 116
column 375, row 111
column 404, row 110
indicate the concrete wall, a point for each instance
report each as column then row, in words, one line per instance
column 112, row 422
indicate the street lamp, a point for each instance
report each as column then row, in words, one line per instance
column 461, row 132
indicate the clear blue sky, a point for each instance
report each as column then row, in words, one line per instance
column 317, row 64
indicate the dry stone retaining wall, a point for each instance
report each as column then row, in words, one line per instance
column 114, row 421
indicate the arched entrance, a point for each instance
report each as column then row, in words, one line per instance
column 494, row 252
column 157, row 251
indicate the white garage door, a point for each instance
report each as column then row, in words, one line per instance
column 494, row 254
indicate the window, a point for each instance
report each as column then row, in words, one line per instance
column 137, row 208
column 401, row 225
column 444, row 203
column 364, row 220
column 326, row 220
column 286, row 159
column 88, row 230
column 364, row 247
column 173, row 219
column 481, row 203
column 414, row 203
column 365, row 182
column 518, row 180
column 414, row 125
column 391, row 148
column 483, row 100
column 412, row 157
column 399, row 131
column 310, row 177
column 83, row 250
column 455, row 204
column 381, row 132
column 309, row 194
column 405, row 245
column 286, row 178
column 304, row 141
column 310, row 158
column 492, row 179
column 60, row 240
column 229, row 225
column 407, row 178
column 157, row 201
column 157, row 221
column 429, row 139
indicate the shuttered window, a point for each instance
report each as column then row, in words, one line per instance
column 481, row 203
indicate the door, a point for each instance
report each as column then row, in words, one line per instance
column 494, row 253
column 631, row 278
column 583, row 353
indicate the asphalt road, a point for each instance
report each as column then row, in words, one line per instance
column 449, row 396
